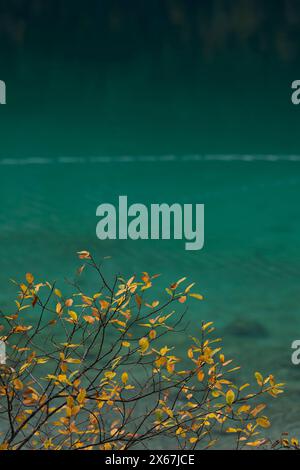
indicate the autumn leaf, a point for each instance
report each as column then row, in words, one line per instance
column 83, row 255
column 57, row 292
column 124, row 378
column 104, row 304
column 258, row 409
column 230, row 397
column 22, row 328
column 190, row 353
column 138, row 300
column 206, row 325
column 71, row 360
column 263, row 422
column 259, row 379
column 81, row 396
column 58, row 308
column 29, row 278
column 152, row 334
column 256, row 443
column 197, row 296
column 232, row 430
column 18, row 384
column 69, row 302
column 73, row 315
column 144, row 344
column 89, row 319
column 109, row 375
column 200, row 375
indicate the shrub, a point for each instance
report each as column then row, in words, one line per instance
column 98, row 371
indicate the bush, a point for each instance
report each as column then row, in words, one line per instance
column 93, row 371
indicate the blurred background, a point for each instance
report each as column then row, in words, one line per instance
column 168, row 74
column 164, row 101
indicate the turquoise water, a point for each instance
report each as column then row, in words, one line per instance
column 248, row 270
column 163, row 126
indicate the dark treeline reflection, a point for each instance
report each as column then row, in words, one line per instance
column 121, row 29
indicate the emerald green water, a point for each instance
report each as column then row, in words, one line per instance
column 224, row 134
column 248, row 270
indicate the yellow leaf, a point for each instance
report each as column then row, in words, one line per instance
column 124, row 378
column 190, row 353
column 87, row 300
column 58, row 308
column 200, row 375
column 232, row 430
column 193, row 440
column 207, row 325
column 84, row 255
column 24, row 367
column 263, row 422
column 24, row 307
column 73, row 315
column 189, row 288
column 89, row 319
column 230, row 396
column 243, row 386
column 256, row 443
column 23, row 288
column 152, row 334
column 81, row 396
column 104, row 304
column 259, row 378
column 69, row 302
column 197, row 296
column 18, row 384
column 29, row 278
column 164, row 351
column 21, row 328
column 70, row 360
column 258, row 409
column 244, row 409
column 144, row 344
column 70, row 402
column 109, row 374
column 75, row 410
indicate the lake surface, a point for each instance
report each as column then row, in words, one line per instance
column 248, row 270
column 160, row 123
